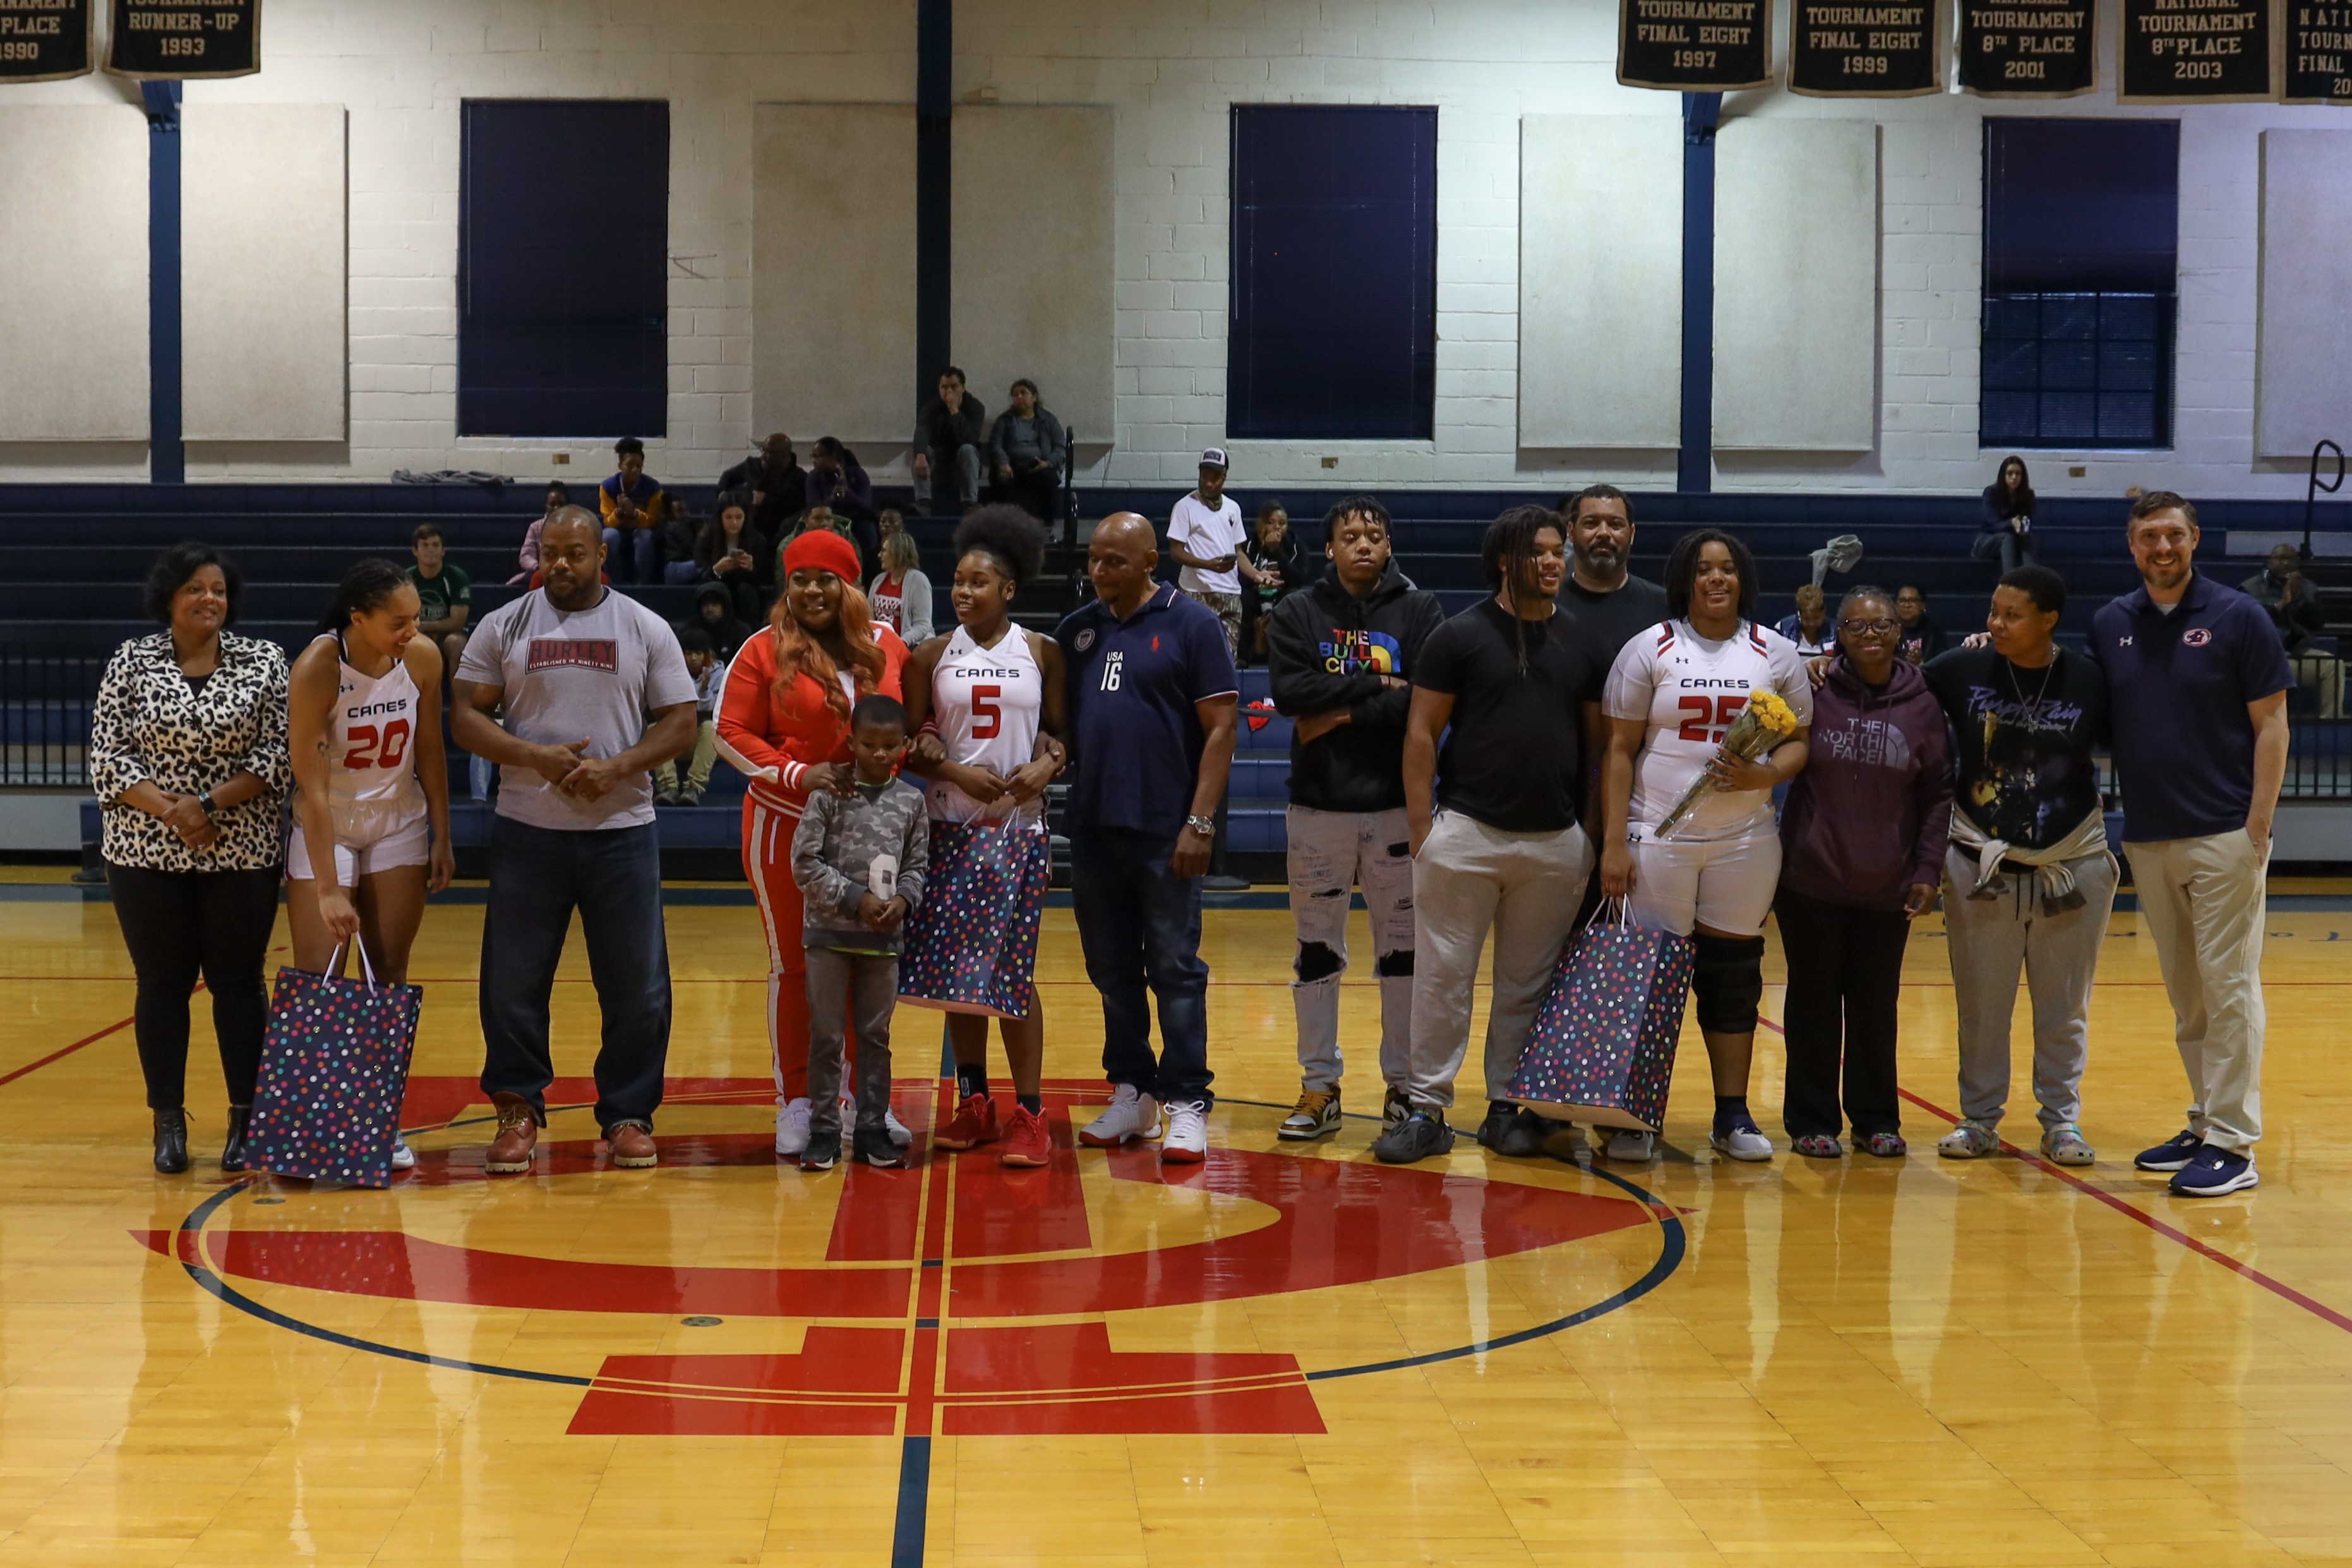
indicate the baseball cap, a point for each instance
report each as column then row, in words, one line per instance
column 1213, row 457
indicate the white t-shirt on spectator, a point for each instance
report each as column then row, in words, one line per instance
column 595, row 673
column 1205, row 536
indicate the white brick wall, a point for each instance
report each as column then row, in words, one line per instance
column 1172, row 67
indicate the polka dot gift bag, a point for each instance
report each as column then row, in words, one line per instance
column 334, row 1069
column 1602, row 1047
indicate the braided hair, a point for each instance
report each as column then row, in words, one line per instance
column 1508, row 556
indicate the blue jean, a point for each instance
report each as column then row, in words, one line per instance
column 678, row 573
column 1140, row 926
column 634, row 556
column 613, row 877
column 2009, row 546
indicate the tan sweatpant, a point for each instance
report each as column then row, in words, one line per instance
column 2202, row 908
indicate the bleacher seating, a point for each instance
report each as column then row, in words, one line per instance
column 72, row 557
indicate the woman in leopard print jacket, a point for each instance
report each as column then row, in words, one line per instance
column 187, row 754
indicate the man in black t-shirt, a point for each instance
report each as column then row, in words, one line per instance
column 2027, row 878
column 1608, row 606
column 1494, row 824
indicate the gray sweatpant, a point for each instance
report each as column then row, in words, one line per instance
column 1467, row 879
column 2201, row 905
column 1329, row 853
column 1990, row 939
column 837, row 982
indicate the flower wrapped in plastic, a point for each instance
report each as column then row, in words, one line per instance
column 1764, row 723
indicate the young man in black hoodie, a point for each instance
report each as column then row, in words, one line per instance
column 1340, row 656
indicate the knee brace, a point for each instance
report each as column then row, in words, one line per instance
column 1316, row 962
column 1728, row 981
column 1394, row 966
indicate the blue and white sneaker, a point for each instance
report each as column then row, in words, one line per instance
column 2215, row 1172
column 2170, row 1155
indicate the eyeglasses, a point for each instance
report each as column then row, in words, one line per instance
column 1881, row 625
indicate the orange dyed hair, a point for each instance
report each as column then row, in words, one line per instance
column 798, row 653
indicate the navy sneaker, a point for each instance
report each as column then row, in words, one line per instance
column 1422, row 1134
column 2215, row 1172
column 2170, row 1155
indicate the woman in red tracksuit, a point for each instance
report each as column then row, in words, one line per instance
column 784, row 724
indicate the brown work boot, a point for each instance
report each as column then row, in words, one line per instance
column 510, row 1150
column 632, row 1146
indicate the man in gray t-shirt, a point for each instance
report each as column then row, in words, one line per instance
column 595, row 695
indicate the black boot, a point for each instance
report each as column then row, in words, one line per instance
column 233, row 1143
column 171, row 1141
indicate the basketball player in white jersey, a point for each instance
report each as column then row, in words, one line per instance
column 1673, row 693
column 987, row 698
column 372, row 788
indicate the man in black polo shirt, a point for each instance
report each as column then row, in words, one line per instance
column 1494, row 823
column 2197, row 679
column 1153, row 700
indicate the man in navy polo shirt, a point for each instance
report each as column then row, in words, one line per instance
column 2197, row 683
column 1152, row 701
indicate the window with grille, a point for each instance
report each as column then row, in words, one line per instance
column 2082, row 227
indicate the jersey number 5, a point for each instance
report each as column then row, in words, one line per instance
column 1710, row 718
column 987, row 719
column 392, row 740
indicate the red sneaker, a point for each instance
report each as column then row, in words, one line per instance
column 975, row 1125
column 1027, row 1140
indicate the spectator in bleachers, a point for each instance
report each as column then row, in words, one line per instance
column 1205, row 536
column 1809, row 627
column 680, row 531
column 950, row 431
column 836, row 480
column 1282, row 566
column 1025, row 450
column 558, row 497
column 702, row 663
column 445, row 593
column 900, row 593
column 773, row 479
column 890, row 521
column 2007, row 525
column 187, row 755
column 632, row 505
column 733, row 552
column 714, row 611
column 2283, row 590
column 824, row 518
column 1920, row 638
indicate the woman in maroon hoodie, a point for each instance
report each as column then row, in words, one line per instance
column 1861, row 849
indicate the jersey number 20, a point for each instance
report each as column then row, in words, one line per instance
column 1710, row 718
column 372, row 748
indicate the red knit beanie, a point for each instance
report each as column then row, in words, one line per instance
column 822, row 550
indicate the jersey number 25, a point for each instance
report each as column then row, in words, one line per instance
column 1710, row 717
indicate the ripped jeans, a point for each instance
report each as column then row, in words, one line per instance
column 1330, row 851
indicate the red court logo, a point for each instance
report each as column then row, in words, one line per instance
column 955, row 1298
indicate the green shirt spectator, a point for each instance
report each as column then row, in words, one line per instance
column 445, row 593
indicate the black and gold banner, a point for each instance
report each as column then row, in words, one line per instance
column 2320, row 52
column 1694, row 45
column 157, row 40
column 2015, row 48
column 44, row 40
column 2198, row 51
column 1865, row 48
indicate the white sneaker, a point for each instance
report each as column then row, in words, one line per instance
column 403, row 1158
column 1132, row 1113
column 1633, row 1147
column 897, row 1129
column 1744, row 1142
column 1187, row 1143
column 792, row 1129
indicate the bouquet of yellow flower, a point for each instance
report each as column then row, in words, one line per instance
column 1763, row 724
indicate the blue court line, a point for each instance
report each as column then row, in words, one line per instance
column 914, row 1503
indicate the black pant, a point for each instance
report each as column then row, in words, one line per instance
column 177, row 924
column 1034, row 491
column 1846, row 961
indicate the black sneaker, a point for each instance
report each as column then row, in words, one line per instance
column 1422, row 1134
column 875, row 1147
column 2213, row 1171
column 1514, row 1133
column 2171, row 1154
column 824, row 1152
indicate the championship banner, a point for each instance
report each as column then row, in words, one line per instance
column 156, row 40
column 44, row 40
column 2198, row 51
column 2016, row 48
column 1694, row 45
column 1854, row 49
column 2318, row 52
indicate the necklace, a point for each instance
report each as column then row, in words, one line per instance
column 2035, row 708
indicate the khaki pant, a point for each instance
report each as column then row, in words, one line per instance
column 1470, row 878
column 2202, row 908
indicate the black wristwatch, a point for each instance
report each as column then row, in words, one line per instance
column 205, row 804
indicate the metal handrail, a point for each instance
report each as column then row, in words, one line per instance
column 2311, row 495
